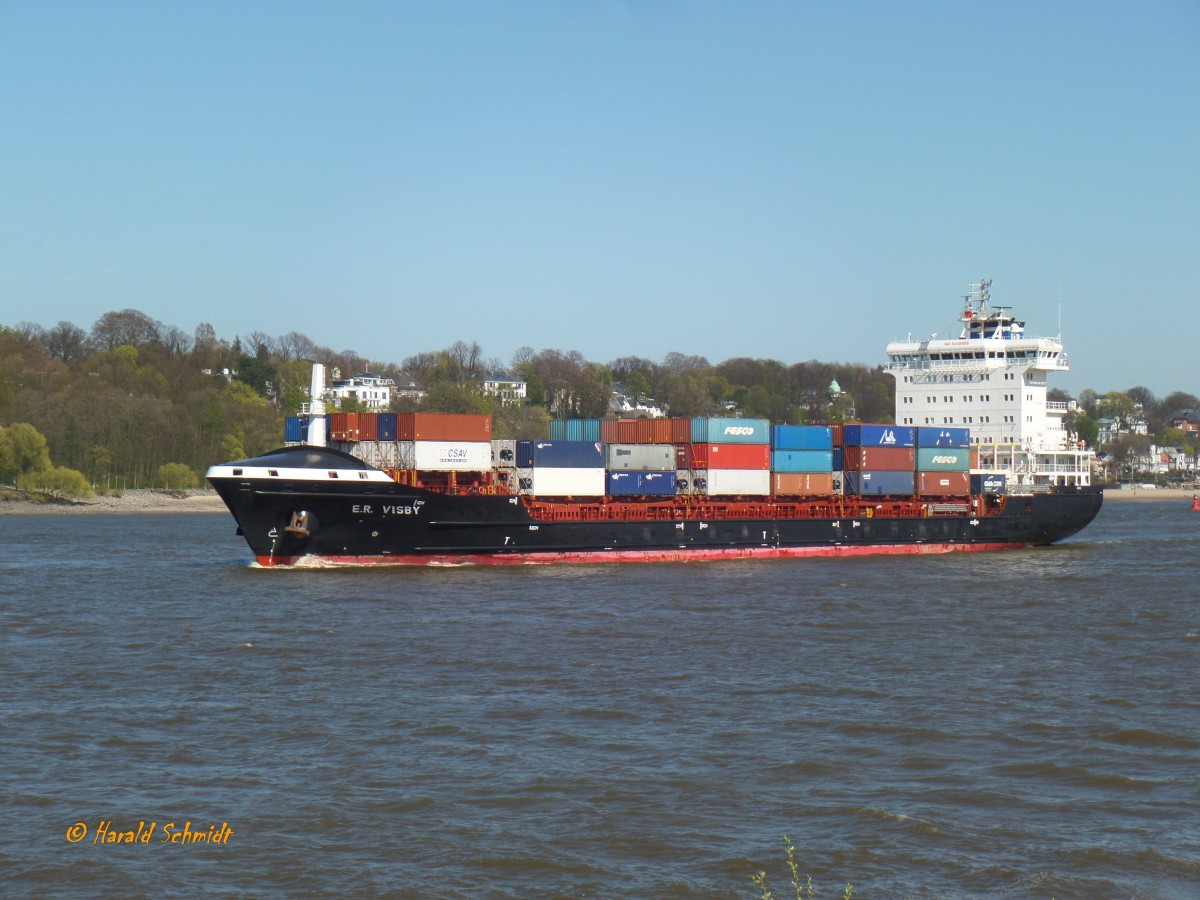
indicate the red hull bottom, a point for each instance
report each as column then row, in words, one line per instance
column 643, row 556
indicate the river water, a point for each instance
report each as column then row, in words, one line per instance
column 1015, row 724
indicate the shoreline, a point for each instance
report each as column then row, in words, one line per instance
column 199, row 500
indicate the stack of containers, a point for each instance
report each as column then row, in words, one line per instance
column 444, row 442
column 727, row 457
column 801, row 460
column 943, row 461
column 879, row 459
column 561, row 468
column 640, row 470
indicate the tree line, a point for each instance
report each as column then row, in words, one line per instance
column 132, row 402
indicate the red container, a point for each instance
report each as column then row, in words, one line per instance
column 880, row 459
column 608, row 431
column 416, row 426
column 685, row 458
column 368, row 426
column 681, row 431
column 839, row 437
column 343, row 426
column 652, row 431
column 943, row 484
column 802, row 484
column 736, row 456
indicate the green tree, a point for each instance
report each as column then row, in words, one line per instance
column 58, row 481
column 175, row 476
column 22, row 450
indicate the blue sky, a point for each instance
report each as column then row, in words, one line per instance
column 791, row 181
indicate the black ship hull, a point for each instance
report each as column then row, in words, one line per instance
column 305, row 503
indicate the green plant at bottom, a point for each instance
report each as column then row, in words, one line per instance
column 803, row 891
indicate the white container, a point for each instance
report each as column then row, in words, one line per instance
column 554, row 482
column 504, row 454
column 640, row 457
column 445, row 456
column 732, row 482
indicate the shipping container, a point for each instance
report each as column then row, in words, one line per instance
column 879, row 436
column 802, row 437
column 874, row 483
column 839, row 457
column 943, row 484
column 731, row 431
column 424, row 426
column 560, row 454
column 641, row 484
column 295, row 429
column 387, row 426
column 548, row 481
column 989, row 483
column 737, row 456
column 802, row 460
column 802, row 484
column 642, row 457
column 368, row 426
column 343, row 426
column 504, row 454
column 575, row 430
column 943, row 436
column 943, row 459
column 882, row 459
column 732, row 482
column 444, row 456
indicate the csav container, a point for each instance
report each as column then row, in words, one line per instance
column 444, row 456
column 802, row 460
column 879, row 436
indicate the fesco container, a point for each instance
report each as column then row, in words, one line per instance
column 643, row 457
column 802, row 460
column 879, row 435
column 575, row 430
column 730, row 431
column 802, row 437
column 877, row 483
column 732, row 482
column 548, row 481
column 943, row 436
column 882, row 459
column 992, row 483
column 736, row 456
column 943, row 484
column 801, row 484
column 560, row 454
column 943, row 459
column 641, row 484
column 425, row 426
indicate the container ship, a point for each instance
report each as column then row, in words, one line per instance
column 438, row 489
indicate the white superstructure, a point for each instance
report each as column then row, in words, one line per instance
column 992, row 379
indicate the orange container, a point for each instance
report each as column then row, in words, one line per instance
column 943, row 484
column 880, row 459
column 802, row 484
column 418, row 426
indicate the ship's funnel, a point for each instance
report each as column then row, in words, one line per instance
column 316, row 390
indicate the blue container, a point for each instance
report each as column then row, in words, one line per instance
column 839, row 459
column 629, row 483
column 575, row 430
column 879, row 435
column 802, row 460
column 879, row 483
column 560, row 454
column 387, row 426
column 802, row 437
column 295, row 429
column 943, row 436
column 731, row 431
column 989, row 484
